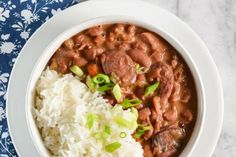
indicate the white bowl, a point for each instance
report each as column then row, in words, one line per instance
column 52, row 47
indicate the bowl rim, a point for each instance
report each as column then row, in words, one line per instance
column 53, row 45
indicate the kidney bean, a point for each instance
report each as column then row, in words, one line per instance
column 144, row 114
column 187, row 115
column 69, row 44
column 172, row 114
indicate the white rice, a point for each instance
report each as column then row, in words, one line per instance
column 61, row 108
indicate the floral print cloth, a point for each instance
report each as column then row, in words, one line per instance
column 18, row 20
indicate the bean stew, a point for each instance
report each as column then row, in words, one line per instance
column 146, row 73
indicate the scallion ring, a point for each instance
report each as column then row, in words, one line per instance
column 76, row 70
column 123, row 135
column 105, row 87
column 101, row 78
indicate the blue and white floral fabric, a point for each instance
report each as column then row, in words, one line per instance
column 18, row 20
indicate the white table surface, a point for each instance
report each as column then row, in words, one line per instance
column 215, row 22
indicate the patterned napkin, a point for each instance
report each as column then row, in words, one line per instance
column 18, row 21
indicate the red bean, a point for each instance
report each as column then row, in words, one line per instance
column 144, row 114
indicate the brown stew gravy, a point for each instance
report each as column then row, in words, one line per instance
column 118, row 49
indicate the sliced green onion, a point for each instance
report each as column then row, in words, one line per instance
column 90, row 84
column 76, row 70
column 139, row 69
column 104, row 134
column 112, row 147
column 134, row 111
column 101, row 78
column 151, row 88
column 113, row 77
column 123, row 135
column 91, row 118
column 105, row 87
column 141, row 130
column 107, row 130
column 117, row 92
column 130, row 103
column 123, row 122
column 139, row 133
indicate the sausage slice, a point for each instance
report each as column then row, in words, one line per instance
column 121, row 65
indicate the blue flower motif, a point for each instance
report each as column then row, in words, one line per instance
column 18, row 20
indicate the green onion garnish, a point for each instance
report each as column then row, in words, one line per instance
column 76, row 70
column 101, row 78
column 123, row 135
column 123, row 122
column 107, row 130
column 139, row 69
column 141, row 130
column 112, row 147
column 113, row 77
column 134, row 111
column 117, row 92
column 104, row 134
column 130, row 103
column 105, row 87
column 139, row 133
column 91, row 118
column 151, row 88
column 90, row 84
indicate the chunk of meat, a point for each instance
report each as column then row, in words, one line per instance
column 143, row 114
column 140, row 57
column 163, row 73
column 121, row 65
column 156, row 43
column 167, row 142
